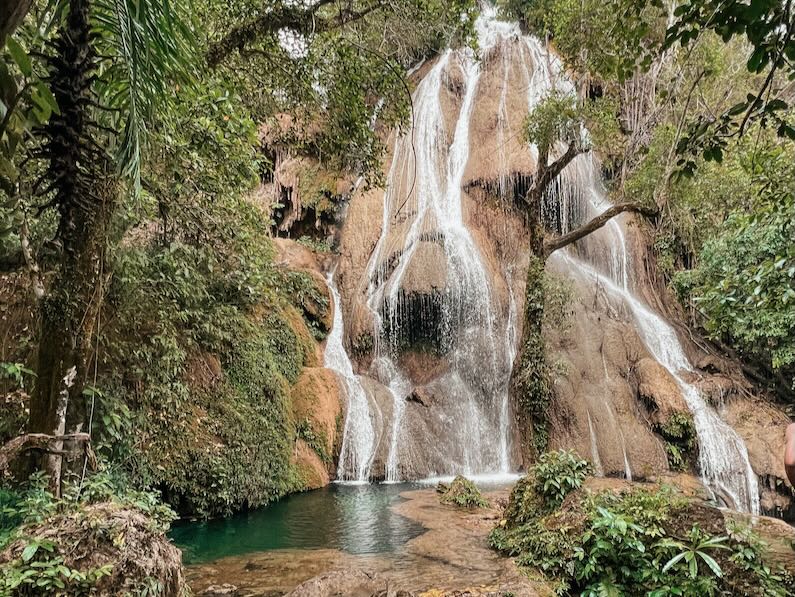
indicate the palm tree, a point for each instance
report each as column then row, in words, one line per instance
column 111, row 63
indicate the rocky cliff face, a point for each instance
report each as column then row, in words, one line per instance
column 400, row 273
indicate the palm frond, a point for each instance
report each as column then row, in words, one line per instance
column 147, row 48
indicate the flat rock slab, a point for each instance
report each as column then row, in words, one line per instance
column 452, row 558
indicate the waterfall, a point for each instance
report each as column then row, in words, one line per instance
column 359, row 435
column 428, row 278
column 723, row 457
column 423, row 200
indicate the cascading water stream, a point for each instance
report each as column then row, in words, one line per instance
column 359, row 435
column 723, row 458
column 479, row 365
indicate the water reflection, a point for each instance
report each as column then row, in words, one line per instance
column 354, row 518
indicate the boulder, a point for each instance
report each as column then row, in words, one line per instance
column 316, row 405
column 350, row 582
column 659, row 391
column 224, row 590
column 421, row 396
column 312, row 470
column 761, row 425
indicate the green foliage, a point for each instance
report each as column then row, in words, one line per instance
column 365, row 59
column 41, row 572
column 318, row 246
column 462, row 493
column 680, row 440
column 557, row 118
column 605, row 38
column 767, row 27
column 147, row 53
column 16, row 372
column 229, row 433
column 759, row 576
column 557, row 474
column 41, row 567
column 634, row 542
column 695, row 551
column 558, row 302
column 745, row 283
column 26, row 103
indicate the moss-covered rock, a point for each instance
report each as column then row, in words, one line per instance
column 201, row 377
column 462, row 493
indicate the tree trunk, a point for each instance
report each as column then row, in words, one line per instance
column 12, row 12
column 530, row 380
column 85, row 194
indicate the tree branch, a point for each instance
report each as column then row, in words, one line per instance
column 12, row 13
column 553, row 244
column 548, row 173
column 14, row 448
column 302, row 20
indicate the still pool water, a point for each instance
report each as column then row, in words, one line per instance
column 353, row 518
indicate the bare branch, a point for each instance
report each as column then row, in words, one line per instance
column 43, row 442
column 553, row 244
column 547, row 173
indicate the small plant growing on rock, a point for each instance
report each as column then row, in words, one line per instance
column 462, row 493
column 680, row 440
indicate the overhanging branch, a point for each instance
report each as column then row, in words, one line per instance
column 296, row 18
column 558, row 242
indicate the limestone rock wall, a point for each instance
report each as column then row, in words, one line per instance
column 613, row 401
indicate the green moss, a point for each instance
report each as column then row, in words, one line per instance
column 532, row 377
column 363, row 344
column 201, row 356
column 462, row 493
column 316, row 440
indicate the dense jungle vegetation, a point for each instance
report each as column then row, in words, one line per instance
column 147, row 332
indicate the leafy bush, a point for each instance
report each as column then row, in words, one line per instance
column 680, row 440
column 637, row 542
column 41, row 568
column 462, row 493
column 557, row 474
column 745, row 283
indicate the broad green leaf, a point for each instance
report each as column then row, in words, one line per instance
column 20, row 56
column 29, row 551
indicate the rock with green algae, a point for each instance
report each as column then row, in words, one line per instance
column 462, row 493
